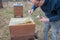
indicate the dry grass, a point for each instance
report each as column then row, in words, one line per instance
column 7, row 12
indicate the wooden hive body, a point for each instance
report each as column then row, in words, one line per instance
column 22, row 31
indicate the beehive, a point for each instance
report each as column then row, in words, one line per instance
column 21, row 31
column 18, row 10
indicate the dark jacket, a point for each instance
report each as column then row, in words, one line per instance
column 51, row 9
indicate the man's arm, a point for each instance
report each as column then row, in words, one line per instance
column 34, row 7
column 55, row 18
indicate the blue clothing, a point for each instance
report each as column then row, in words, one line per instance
column 55, row 27
column 51, row 9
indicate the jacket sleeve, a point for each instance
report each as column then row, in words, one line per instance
column 34, row 7
column 55, row 18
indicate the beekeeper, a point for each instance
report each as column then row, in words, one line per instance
column 51, row 8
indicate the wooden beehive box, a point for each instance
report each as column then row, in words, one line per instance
column 21, row 31
column 18, row 10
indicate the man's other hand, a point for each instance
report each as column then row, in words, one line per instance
column 43, row 19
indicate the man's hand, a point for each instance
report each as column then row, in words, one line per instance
column 30, row 11
column 43, row 19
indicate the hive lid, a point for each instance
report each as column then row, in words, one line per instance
column 16, row 21
column 17, row 4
